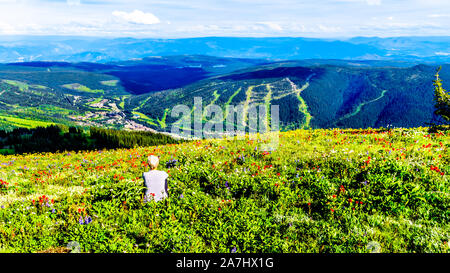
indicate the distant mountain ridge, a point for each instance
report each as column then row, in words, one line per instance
column 104, row 50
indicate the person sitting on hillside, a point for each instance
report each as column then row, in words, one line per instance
column 155, row 181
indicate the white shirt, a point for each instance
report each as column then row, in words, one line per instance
column 156, row 183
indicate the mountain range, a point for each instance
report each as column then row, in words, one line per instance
column 105, row 50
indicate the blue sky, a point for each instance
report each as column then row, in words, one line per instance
column 197, row 18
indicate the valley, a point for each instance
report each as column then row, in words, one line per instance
column 309, row 95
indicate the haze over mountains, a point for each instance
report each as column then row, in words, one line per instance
column 103, row 50
column 134, row 83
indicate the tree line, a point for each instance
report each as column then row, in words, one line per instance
column 56, row 138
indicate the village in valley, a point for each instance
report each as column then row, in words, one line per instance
column 105, row 113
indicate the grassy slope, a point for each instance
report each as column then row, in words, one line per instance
column 82, row 88
column 144, row 118
column 320, row 191
column 22, row 122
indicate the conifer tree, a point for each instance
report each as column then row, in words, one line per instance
column 441, row 97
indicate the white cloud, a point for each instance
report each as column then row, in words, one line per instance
column 438, row 15
column 7, row 28
column 368, row 2
column 73, row 2
column 137, row 17
column 373, row 2
column 329, row 29
column 272, row 25
column 195, row 18
column 442, row 53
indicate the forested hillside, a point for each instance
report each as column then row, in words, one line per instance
column 140, row 94
column 61, row 138
column 323, row 96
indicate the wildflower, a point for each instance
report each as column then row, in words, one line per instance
column 233, row 250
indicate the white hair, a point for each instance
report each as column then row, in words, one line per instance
column 153, row 161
